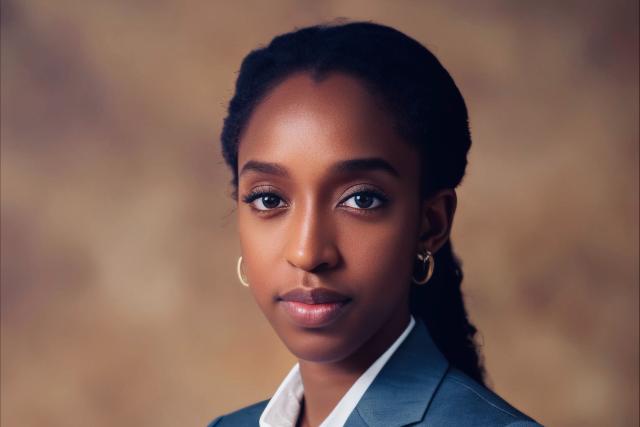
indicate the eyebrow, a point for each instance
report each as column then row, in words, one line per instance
column 367, row 164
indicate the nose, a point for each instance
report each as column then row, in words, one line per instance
column 310, row 245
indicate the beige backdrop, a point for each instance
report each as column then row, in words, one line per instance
column 120, row 303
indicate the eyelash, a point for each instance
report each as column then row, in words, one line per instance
column 258, row 193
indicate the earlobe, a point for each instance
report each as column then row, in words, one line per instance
column 437, row 217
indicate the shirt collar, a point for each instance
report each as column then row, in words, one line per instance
column 284, row 407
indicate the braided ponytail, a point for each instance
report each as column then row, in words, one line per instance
column 440, row 304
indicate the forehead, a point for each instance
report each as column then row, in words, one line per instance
column 302, row 122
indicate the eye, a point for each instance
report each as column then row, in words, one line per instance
column 365, row 200
column 263, row 200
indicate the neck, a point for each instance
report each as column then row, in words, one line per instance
column 326, row 383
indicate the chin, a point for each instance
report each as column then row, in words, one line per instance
column 317, row 345
column 319, row 353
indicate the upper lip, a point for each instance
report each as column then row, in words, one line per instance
column 314, row 296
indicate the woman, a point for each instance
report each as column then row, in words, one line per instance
column 346, row 143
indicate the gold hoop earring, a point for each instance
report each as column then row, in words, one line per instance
column 240, row 275
column 426, row 258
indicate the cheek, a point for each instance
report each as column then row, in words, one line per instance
column 380, row 257
column 260, row 243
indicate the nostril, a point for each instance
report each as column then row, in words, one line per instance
column 321, row 267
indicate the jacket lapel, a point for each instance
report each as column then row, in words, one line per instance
column 402, row 390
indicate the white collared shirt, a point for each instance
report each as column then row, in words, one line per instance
column 284, row 407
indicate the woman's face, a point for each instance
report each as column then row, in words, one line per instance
column 328, row 198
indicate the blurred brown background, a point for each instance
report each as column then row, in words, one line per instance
column 120, row 303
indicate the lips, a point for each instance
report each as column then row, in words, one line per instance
column 314, row 296
column 313, row 308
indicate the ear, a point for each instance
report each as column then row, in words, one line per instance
column 436, row 219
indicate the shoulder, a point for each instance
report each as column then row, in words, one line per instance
column 249, row 415
column 473, row 404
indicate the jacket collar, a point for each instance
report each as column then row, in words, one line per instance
column 402, row 390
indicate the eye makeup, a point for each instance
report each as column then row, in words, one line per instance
column 261, row 194
column 362, row 194
column 366, row 192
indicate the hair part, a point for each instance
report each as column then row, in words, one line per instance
column 429, row 112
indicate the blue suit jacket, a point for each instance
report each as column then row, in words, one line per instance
column 418, row 387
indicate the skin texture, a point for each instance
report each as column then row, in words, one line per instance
column 309, row 230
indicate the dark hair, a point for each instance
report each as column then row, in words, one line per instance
column 429, row 113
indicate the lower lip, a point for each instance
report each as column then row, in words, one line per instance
column 313, row 315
